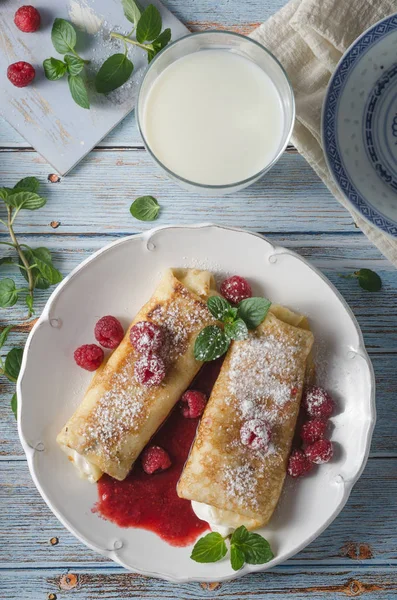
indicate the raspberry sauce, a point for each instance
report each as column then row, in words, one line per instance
column 150, row 501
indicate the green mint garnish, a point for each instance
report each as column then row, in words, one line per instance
column 253, row 311
column 132, row 11
column 78, row 90
column 211, row 343
column 145, row 208
column 63, row 36
column 245, row 547
column 237, row 330
column 114, row 72
column 218, row 307
column 367, row 279
column 149, row 25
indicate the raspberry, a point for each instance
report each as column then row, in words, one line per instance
column 236, row 289
column 313, row 430
column 256, row 434
column 89, row 357
column 150, row 370
column 318, row 403
column 21, row 74
column 193, row 404
column 155, row 459
column 320, row 452
column 298, row 464
column 147, row 337
column 109, row 332
column 27, row 19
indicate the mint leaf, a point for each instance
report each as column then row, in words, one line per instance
column 4, row 193
column 6, row 260
column 253, row 311
column 369, row 280
column 63, row 36
column 25, row 200
column 211, row 343
column 4, row 335
column 218, row 307
column 237, row 558
column 14, row 405
column 29, row 303
column 255, row 548
column 149, row 25
column 237, row 330
column 209, row 548
column 114, row 72
column 74, row 64
column 78, row 91
column 31, row 256
column 54, row 69
column 145, row 208
column 28, row 184
column 8, row 293
column 132, row 11
column 12, row 364
column 159, row 43
column 46, row 268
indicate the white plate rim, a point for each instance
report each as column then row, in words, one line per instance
column 112, row 554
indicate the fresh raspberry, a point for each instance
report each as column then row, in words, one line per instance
column 155, row 459
column 320, row 452
column 318, row 403
column 193, row 404
column 236, row 289
column 89, row 357
column 21, row 74
column 313, row 430
column 150, row 370
column 147, row 337
column 256, row 434
column 109, row 332
column 298, row 464
column 27, row 19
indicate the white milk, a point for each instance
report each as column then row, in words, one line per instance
column 213, row 117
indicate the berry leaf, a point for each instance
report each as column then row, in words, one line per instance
column 255, row 548
column 54, row 69
column 159, row 43
column 211, row 343
column 25, row 200
column 132, row 11
column 78, row 91
column 237, row 558
column 14, row 405
column 4, row 335
column 12, row 364
column 74, row 64
column 218, row 307
column 237, row 330
column 8, row 293
column 253, row 311
column 210, row 548
column 28, row 184
column 114, row 72
column 145, row 208
column 63, row 36
column 149, row 25
column 369, row 280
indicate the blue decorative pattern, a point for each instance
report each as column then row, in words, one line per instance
column 331, row 148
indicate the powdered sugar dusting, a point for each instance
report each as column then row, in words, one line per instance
column 241, row 483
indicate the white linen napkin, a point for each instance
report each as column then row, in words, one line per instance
column 309, row 37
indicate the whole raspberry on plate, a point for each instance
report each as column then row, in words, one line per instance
column 193, row 404
column 318, row 403
column 155, row 459
column 89, row 357
column 236, row 289
column 27, row 19
column 149, row 370
column 298, row 464
column 21, row 73
column 313, row 430
column 320, row 452
column 256, row 434
column 147, row 337
column 109, row 332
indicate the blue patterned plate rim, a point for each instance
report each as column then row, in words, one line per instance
column 329, row 120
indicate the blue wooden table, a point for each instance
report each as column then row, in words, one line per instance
column 357, row 555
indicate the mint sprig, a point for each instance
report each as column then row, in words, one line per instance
column 11, row 365
column 145, row 208
column 245, row 547
column 367, row 279
column 64, row 39
column 213, row 341
column 147, row 24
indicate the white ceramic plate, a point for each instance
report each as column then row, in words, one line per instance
column 117, row 280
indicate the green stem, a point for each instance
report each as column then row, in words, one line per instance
column 22, row 256
column 86, row 62
column 8, row 243
column 4, row 223
column 124, row 38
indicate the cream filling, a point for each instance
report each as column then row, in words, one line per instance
column 213, row 517
column 85, row 468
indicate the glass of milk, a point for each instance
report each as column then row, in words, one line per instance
column 215, row 111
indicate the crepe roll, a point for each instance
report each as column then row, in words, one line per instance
column 118, row 415
column 238, row 461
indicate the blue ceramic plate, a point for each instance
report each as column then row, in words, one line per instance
column 359, row 125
